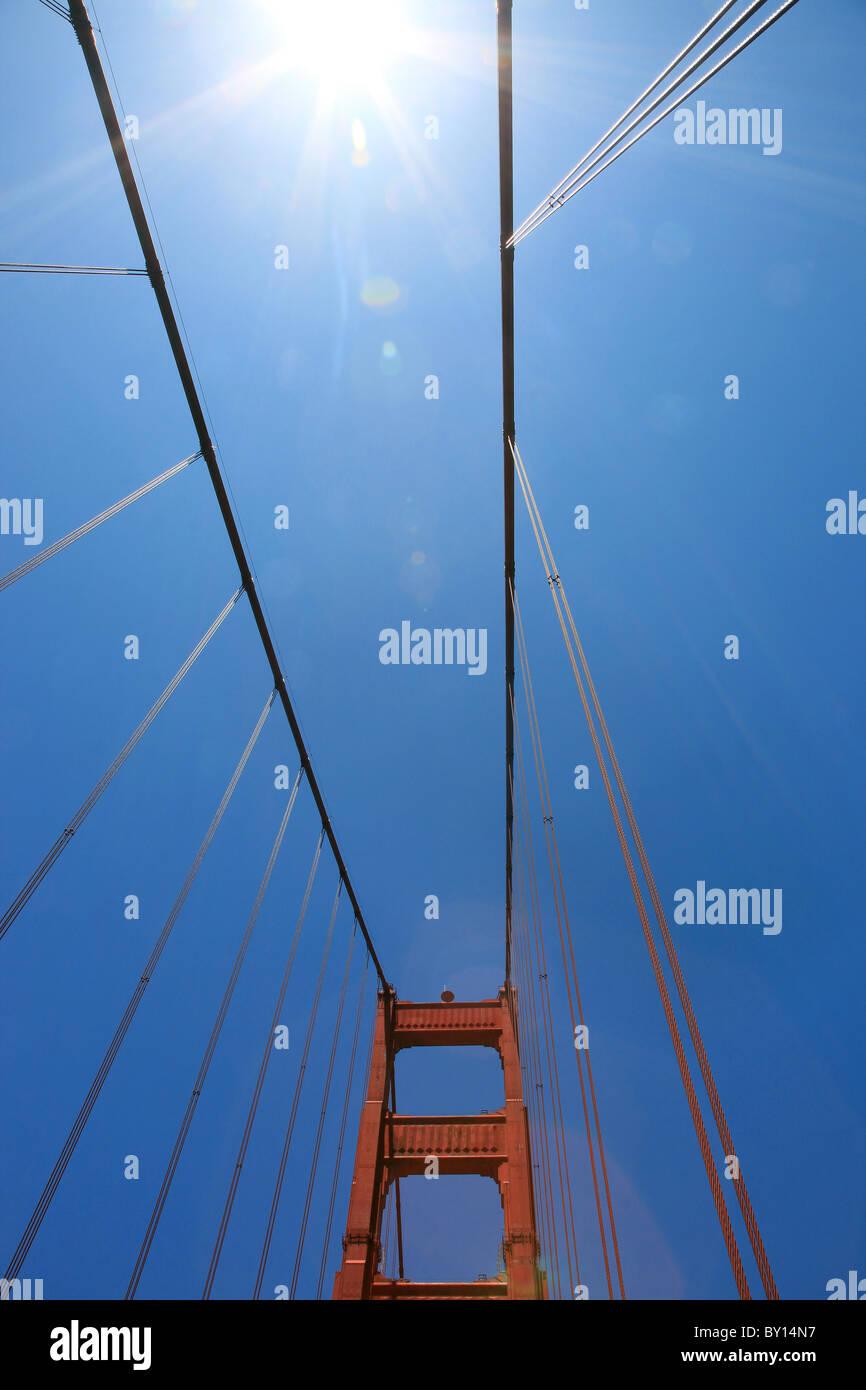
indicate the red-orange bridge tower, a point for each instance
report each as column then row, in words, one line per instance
column 391, row 1146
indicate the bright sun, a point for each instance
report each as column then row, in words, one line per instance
column 343, row 42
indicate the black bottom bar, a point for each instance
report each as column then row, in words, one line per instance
column 194, row 1339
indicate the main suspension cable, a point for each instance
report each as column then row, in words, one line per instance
column 84, row 33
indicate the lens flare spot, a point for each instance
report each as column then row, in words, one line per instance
column 390, row 360
column 672, row 243
column 418, row 557
column 175, row 11
column 360, row 153
column 379, row 292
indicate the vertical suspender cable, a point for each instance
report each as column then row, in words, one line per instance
column 123, row 1027
column 549, row 1034
column 533, row 1087
column 553, row 854
column 186, row 1122
column 344, row 1116
column 523, row 898
column 278, row 1188
column 260, row 1079
column 322, row 1113
column 664, row 996
column 585, row 177
column 694, row 1031
column 33, row 882
column 683, row 53
column 55, row 548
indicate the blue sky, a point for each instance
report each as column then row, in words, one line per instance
column 707, row 517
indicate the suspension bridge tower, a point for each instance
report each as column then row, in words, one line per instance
column 391, row 1146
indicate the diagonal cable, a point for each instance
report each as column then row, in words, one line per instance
column 54, row 549
column 123, row 1027
column 87, row 805
column 278, row 1188
column 260, row 1080
column 186, row 1122
column 586, row 177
